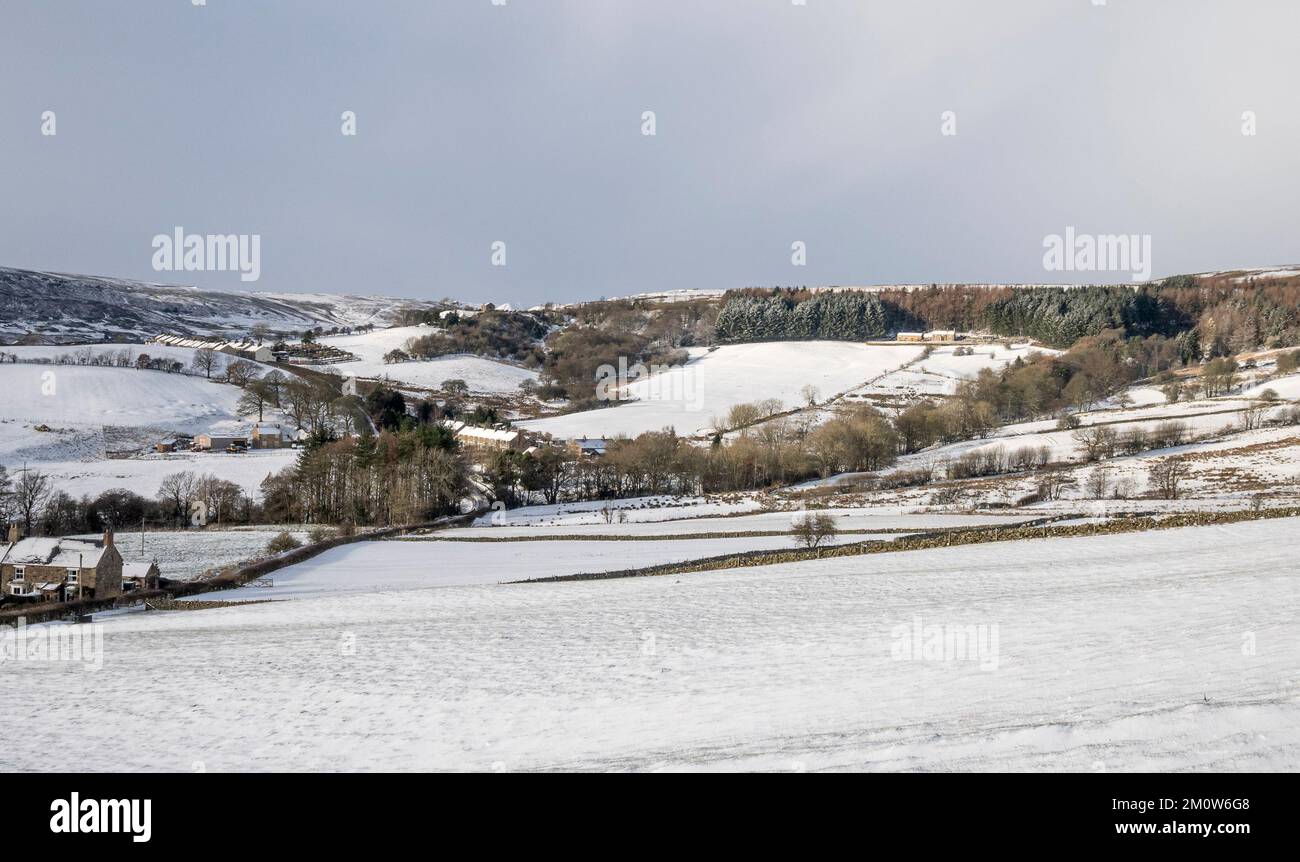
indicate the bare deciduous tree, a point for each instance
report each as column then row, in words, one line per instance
column 240, row 372
column 30, row 495
column 205, row 360
column 1098, row 483
column 178, row 489
column 813, row 530
column 1098, row 441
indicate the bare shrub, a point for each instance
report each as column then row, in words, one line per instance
column 282, row 542
column 319, row 534
column 1168, row 434
column 1098, row 483
column 1166, row 478
column 1253, row 417
column 1051, row 485
column 1134, row 440
column 1098, row 441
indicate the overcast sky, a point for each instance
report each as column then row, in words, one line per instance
column 522, row 123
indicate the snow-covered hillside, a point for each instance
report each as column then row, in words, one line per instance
column 1173, row 650
column 941, row 372
column 690, row 397
column 143, row 475
column 74, row 395
column 66, row 308
column 480, row 374
column 111, row 352
column 89, row 411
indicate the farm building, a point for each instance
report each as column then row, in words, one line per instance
column 268, row 436
column 219, row 442
column 56, row 570
column 140, row 576
column 910, row 336
column 941, row 335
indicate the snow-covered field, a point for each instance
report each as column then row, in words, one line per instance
column 143, row 475
column 389, row 566
column 91, row 395
column 941, row 371
column 632, row 509
column 690, row 397
column 1173, row 650
column 90, row 411
column 184, row 555
column 183, row 355
column 857, row 519
column 481, row 375
column 1200, row 419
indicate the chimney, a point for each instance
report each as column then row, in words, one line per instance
column 13, row 533
column 108, row 537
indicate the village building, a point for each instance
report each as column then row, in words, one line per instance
column 588, row 448
column 219, row 442
column 910, row 336
column 56, row 570
column 268, row 436
column 941, row 335
column 140, row 576
column 476, row 437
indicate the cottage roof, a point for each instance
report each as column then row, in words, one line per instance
column 64, row 553
column 270, row 429
column 504, row 435
column 136, row 570
column 222, row 437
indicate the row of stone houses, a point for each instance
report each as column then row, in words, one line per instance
column 244, row 349
column 932, row 335
column 478, row 437
column 51, row 569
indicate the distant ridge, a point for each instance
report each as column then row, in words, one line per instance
column 63, row 308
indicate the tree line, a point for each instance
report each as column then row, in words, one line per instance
column 1207, row 316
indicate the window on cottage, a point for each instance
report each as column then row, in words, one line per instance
column 72, row 576
column 19, row 572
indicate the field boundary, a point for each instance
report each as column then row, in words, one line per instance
column 231, row 577
column 678, row 537
column 928, row 540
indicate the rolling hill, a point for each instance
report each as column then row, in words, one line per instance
column 64, row 308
